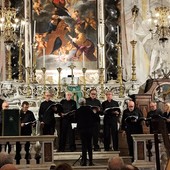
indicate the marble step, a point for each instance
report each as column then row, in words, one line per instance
column 100, row 158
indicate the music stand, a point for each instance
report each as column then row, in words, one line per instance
column 77, row 160
column 10, row 122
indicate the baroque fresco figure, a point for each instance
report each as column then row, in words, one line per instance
column 66, row 32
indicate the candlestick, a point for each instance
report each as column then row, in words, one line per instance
column 133, row 43
column 59, row 82
column 44, row 77
column 43, row 57
column 101, row 82
column 20, row 75
column 34, row 30
column 84, row 81
column 72, row 68
column 28, row 88
column 118, row 33
column 34, row 65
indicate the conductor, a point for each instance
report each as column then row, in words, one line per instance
column 85, row 122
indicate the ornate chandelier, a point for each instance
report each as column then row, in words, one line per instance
column 160, row 25
column 9, row 24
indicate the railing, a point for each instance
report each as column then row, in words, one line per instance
column 41, row 148
column 144, row 151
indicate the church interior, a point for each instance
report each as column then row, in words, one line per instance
column 78, row 45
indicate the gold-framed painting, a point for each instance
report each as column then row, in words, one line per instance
column 65, row 32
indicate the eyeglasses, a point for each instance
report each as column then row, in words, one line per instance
column 108, row 94
column 93, row 93
column 26, row 107
column 130, row 106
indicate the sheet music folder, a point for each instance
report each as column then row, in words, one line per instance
column 112, row 109
column 56, row 107
column 10, row 122
column 95, row 108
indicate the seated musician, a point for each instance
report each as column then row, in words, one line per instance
column 68, row 105
column 131, row 124
column 111, row 119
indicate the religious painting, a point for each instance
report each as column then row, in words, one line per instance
column 65, row 32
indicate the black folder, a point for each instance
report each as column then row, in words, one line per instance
column 111, row 111
column 55, row 107
column 10, row 122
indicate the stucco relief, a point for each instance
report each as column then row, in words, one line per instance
column 151, row 58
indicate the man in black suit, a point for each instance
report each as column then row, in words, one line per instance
column 46, row 115
column 69, row 107
column 27, row 122
column 93, row 101
column 154, row 111
column 111, row 119
column 85, row 122
column 131, row 124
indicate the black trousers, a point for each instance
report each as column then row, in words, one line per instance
column 18, row 150
column 110, row 132
column 96, row 129
column 66, row 131
column 86, row 141
column 48, row 129
column 130, row 144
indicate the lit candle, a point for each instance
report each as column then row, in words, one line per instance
column 34, row 30
column 118, row 33
column 43, row 57
column 83, row 61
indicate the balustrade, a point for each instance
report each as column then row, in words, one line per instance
column 41, row 148
column 144, row 151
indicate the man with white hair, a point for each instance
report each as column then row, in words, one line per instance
column 69, row 106
column 85, row 119
column 46, row 116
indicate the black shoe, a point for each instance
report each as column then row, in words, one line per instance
column 82, row 163
column 96, row 149
column 91, row 164
column 72, row 149
column 60, row 150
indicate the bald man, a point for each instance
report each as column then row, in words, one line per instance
column 131, row 124
column 154, row 111
column 115, row 163
column 4, row 106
